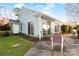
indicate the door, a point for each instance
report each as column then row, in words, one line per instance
column 15, row 28
column 30, row 28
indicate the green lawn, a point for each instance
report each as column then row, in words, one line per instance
column 6, row 44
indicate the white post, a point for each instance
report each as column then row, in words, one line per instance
column 62, row 45
column 52, row 43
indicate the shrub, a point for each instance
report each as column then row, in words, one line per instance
column 66, row 29
column 5, row 33
column 70, row 29
column 78, row 33
column 76, row 27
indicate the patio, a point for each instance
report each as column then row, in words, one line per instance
column 43, row 48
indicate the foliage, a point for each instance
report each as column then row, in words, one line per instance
column 78, row 33
column 76, row 27
column 17, row 11
column 70, row 29
column 6, row 27
column 66, row 29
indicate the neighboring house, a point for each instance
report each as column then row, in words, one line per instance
column 36, row 24
column 8, row 16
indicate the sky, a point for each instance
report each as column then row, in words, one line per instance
column 55, row 10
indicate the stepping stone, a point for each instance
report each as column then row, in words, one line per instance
column 16, row 45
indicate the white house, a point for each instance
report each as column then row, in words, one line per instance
column 35, row 24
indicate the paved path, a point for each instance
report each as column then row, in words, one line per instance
column 43, row 48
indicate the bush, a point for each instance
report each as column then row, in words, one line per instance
column 76, row 27
column 70, row 29
column 66, row 29
column 5, row 33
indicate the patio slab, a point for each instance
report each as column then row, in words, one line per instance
column 43, row 48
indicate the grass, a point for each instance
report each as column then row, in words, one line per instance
column 6, row 44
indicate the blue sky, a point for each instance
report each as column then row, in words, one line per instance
column 55, row 10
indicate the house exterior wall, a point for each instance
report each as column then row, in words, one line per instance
column 27, row 16
column 15, row 27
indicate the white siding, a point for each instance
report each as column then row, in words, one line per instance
column 15, row 28
column 27, row 16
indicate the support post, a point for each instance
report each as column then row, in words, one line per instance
column 52, row 43
column 62, row 46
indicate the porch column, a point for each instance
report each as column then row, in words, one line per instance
column 40, row 28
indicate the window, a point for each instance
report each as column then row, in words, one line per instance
column 46, row 27
column 30, row 28
column 21, row 26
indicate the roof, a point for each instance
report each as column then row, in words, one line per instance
column 11, row 20
column 45, row 16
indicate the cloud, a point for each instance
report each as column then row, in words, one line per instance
column 49, row 6
column 19, row 5
column 46, row 8
column 49, row 9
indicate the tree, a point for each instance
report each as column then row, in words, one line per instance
column 76, row 27
column 66, row 29
column 72, row 12
column 17, row 11
column 4, row 21
column 70, row 29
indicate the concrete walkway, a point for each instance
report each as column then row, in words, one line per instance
column 43, row 48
